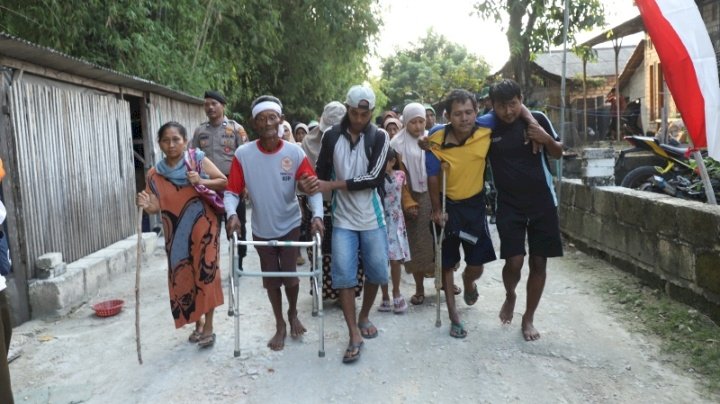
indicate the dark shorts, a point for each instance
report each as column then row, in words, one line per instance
column 279, row 259
column 467, row 218
column 540, row 224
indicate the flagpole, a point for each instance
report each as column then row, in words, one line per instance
column 566, row 18
column 709, row 191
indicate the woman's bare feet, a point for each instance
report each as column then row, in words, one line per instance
column 277, row 342
column 528, row 330
column 507, row 309
column 296, row 327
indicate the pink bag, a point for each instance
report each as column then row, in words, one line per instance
column 214, row 199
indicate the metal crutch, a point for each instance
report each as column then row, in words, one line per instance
column 438, row 245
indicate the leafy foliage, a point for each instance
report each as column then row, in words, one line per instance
column 535, row 25
column 288, row 48
column 430, row 70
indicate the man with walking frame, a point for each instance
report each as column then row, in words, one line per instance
column 270, row 169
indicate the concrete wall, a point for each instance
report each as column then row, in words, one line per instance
column 84, row 278
column 671, row 243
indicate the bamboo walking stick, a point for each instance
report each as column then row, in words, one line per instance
column 438, row 246
column 137, row 284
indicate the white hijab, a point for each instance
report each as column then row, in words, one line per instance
column 412, row 155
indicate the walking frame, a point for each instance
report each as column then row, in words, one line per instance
column 438, row 239
column 315, row 275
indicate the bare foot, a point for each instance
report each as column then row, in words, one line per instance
column 277, row 342
column 529, row 331
column 506, row 311
column 296, row 327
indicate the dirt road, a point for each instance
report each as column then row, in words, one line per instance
column 584, row 355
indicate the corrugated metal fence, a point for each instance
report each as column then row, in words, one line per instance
column 76, row 176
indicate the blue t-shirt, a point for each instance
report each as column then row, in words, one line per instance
column 522, row 179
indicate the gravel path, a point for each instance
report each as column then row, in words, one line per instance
column 584, row 355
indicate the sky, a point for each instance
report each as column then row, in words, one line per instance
column 406, row 21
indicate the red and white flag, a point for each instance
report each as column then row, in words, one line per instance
column 689, row 65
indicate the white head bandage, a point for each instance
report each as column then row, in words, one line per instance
column 266, row 105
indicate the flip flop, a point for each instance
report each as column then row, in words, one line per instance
column 354, row 351
column 207, row 341
column 456, row 289
column 472, row 296
column 365, row 330
column 417, row 299
column 457, row 330
column 195, row 336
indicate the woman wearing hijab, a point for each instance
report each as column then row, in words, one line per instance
column 392, row 126
column 287, row 132
column 301, row 130
column 416, row 200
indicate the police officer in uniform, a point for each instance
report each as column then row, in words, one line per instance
column 218, row 138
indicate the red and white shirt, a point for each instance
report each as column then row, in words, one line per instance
column 270, row 178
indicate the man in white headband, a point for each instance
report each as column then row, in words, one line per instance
column 270, row 169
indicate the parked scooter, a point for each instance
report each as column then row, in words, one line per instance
column 676, row 162
column 677, row 178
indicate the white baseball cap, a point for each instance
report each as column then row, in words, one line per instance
column 358, row 94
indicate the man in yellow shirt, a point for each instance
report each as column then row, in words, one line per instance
column 463, row 146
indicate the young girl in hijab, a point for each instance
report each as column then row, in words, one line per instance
column 398, row 248
column 416, row 200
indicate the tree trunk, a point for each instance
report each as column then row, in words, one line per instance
column 519, row 46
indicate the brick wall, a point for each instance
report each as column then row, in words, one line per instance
column 671, row 243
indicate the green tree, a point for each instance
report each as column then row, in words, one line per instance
column 535, row 25
column 324, row 44
column 429, row 70
column 306, row 52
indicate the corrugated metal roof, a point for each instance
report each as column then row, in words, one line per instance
column 603, row 65
column 26, row 51
column 629, row 27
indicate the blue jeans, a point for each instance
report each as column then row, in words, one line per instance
column 373, row 248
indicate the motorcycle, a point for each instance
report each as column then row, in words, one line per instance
column 677, row 178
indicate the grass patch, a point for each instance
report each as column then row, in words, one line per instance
column 690, row 339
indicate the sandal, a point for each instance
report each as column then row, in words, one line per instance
column 399, row 305
column 385, row 306
column 352, row 353
column 417, row 299
column 195, row 336
column 206, row 341
column 472, row 296
column 365, row 330
column 456, row 290
column 457, row 330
